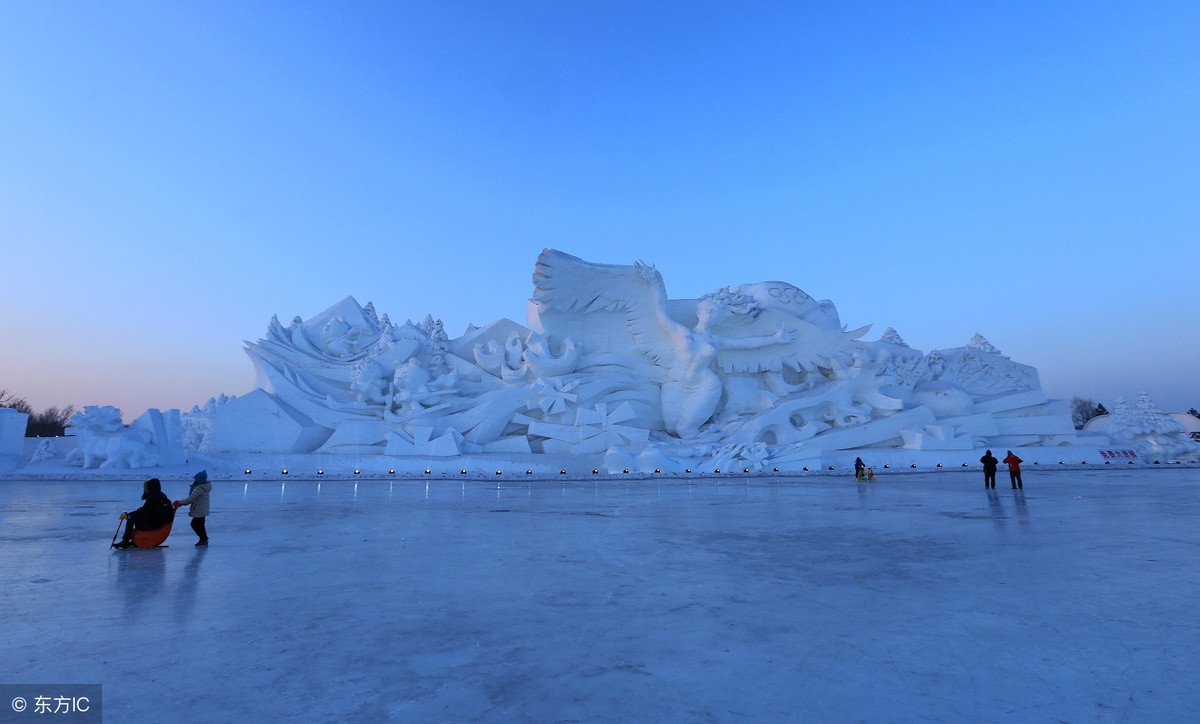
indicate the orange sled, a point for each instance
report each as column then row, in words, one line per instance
column 153, row 538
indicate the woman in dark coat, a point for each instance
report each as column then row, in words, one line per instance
column 156, row 512
column 989, row 469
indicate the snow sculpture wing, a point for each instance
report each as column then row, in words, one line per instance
column 568, row 284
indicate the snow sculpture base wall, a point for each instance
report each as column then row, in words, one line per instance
column 12, row 437
column 754, row 376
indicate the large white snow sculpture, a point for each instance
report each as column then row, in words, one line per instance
column 753, row 375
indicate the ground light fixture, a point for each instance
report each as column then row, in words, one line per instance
column 320, row 472
column 284, row 471
column 247, row 471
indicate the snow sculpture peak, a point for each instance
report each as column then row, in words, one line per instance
column 980, row 343
column 891, row 336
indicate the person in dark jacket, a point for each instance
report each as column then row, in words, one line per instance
column 989, row 469
column 156, row 512
column 1014, row 470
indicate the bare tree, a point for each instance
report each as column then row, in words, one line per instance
column 8, row 399
column 1084, row 409
column 50, row 423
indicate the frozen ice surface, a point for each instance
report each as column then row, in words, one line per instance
column 815, row 599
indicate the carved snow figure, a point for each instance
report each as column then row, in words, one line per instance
column 733, row 333
column 410, row 386
column 369, row 382
column 692, row 388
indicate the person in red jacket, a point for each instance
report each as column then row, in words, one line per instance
column 1014, row 470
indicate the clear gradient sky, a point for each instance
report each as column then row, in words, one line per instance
column 172, row 174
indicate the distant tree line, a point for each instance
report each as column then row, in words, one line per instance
column 47, row 423
column 1084, row 409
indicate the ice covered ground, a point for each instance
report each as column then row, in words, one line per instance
column 917, row 597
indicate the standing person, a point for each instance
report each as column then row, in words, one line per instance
column 858, row 468
column 1014, row 470
column 197, row 497
column 989, row 469
column 154, row 513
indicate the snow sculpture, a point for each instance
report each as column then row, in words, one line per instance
column 1154, row 434
column 749, row 376
column 153, row 439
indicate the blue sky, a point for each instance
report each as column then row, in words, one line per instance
column 173, row 174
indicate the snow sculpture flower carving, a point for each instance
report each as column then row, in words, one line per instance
column 554, row 396
column 601, row 428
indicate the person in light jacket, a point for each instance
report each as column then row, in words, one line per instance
column 197, row 497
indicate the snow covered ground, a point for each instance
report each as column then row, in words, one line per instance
column 920, row 596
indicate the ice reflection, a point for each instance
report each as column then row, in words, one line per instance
column 1022, row 512
column 141, row 573
column 185, row 599
column 996, row 510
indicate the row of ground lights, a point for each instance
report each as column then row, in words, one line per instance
column 596, row 471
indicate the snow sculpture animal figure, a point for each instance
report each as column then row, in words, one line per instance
column 369, row 383
column 106, row 443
